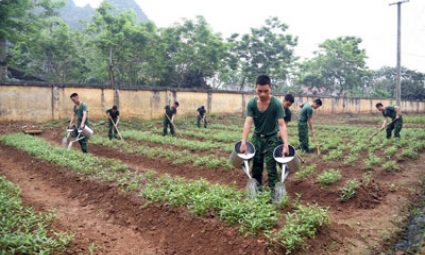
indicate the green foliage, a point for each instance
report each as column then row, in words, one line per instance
column 391, row 165
column 372, row 160
column 390, row 151
column 24, row 231
column 348, row 191
column 333, row 155
column 351, row 158
column 410, row 153
column 329, row 177
column 300, row 226
column 367, row 178
column 305, row 171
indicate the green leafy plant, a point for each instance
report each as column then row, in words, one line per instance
column 391, row 165
column 333, row 155
column 348, row 191
column 306, row 171
column 329, row 177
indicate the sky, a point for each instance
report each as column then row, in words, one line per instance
column 312, row 21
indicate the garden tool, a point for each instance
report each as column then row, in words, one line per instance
column 317, row 145
column 382, row 129
column 71, row 133
column 239, row 159
column 290, row 162
column 172, row 123
column 116, row 128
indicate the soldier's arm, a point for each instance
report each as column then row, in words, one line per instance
column 284, row 134
column 310, row 124
column 398, row 111
column 245, row 133
column 83, row 121
column 118, row 120
column 72, row 120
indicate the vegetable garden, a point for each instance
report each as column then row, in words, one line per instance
column 182, row 196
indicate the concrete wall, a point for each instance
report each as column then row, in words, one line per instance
column 41, row 102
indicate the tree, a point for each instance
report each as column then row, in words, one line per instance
column 266, row 50
column 338, row 66
column 22, row 21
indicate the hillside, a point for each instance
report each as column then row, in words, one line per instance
column 73, row 14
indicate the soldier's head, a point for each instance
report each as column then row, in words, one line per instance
column 175, row 105
column 288, row 100
column 114, row 109
column 380, row 107
column 202, row 107
column 263, row 86
column 74, row 98
column 316, row 103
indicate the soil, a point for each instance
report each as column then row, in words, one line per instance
column 367, row 224
column 99, row 213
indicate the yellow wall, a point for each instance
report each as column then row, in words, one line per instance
column 45, row 103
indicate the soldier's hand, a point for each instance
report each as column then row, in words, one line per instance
column 243, row 148
column 285, row 151
column 313, row 132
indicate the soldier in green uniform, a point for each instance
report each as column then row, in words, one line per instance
column 304, row 121
column 287, row 102
column 267, row 114
column 113, row 120
column 397, row 121
column 202, row 116
column 82, row 113
column 169, row 114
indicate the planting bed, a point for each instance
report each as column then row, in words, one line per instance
column 365, row 189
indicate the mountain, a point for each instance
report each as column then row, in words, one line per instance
column 72, row 14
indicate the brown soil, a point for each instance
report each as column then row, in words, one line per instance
column 99, row 213
column 142, row 163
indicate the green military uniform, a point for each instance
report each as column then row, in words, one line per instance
column 201, row 114
column 265, row 138
column 397, row 125
column 79, row 113
column 288, row 115
column 305, row 113
column 112, row 132
column 167, row 121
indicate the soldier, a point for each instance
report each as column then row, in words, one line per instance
column 202, row 116
column 394, row 113
column 113, row 120
column 82, row 113
column 305, row 117
column 169, row 114
column 267, row 114
column 288, row 100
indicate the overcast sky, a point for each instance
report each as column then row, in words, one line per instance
column 313, row 21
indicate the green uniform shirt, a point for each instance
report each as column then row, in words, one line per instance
column 79, row 112
column 305, row 113
column 390, row 112
column 170, row 112
column 114, row 116
column 288, row 115
column 201, row 111
column 266, row 122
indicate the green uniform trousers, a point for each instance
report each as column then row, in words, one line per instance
column 396, row 126
column 264, row 148
column 303, row 136
column 167, row 123
column 83, row 142
column 112, row 132
column 200, row 120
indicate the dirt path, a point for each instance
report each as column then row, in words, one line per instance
column 89, row 222
column 99, row 213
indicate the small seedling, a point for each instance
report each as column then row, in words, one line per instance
column 391, row 165
column 329, row 177
column 348, row 191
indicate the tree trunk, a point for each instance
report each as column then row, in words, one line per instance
column 111, row 69
column 3, row 64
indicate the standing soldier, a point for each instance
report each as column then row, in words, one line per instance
column 397, row 121
column 170, row 112
column 113, row 120
column 202, row 116
column 305, row 117
column 82, row 113
column 288, row 100
column 267, row 114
